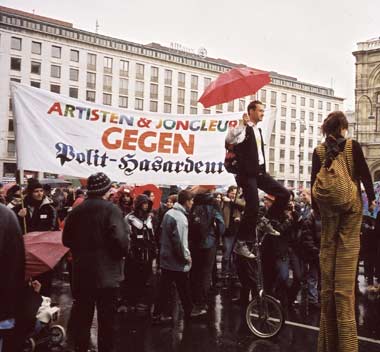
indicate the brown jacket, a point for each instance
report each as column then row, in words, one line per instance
column 237, row 213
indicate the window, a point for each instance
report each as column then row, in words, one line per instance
column 294, row 99
column 74, row 74
column 193, row 98
column 292, row 140
column 206, row 111
column 292, row 155
column 283, row 97
column 139, row 89
column 91, row 62
column 291, row 182
column 302, row 142
column 293, row 113
column 107, row 99
column 11, row 148
column 10, row 125
column 36, row 48
column 10, row 106
column 35, row 84
column 55, row 88
column 154, row 74
column 74, row 55
column 241, row 104
column 328, row 106
column 206, row 82
column 336, row 107
column 55, row 71
column 311, row 130
column 153, row 106
column 282, row 154
column 123, row 86
column 107, row 83
column 310, row 143
column 139, row 104
column 15, row 64
column 282, row 168
column 230, row 106
column 319, row 117
column 123, row 102
column 168, row 77
column 271, row 168
column 154, row 91
column 180, row 109
column 283, row 126
column 311, row 116
column 311, row 103
column 124, row 68
column 168, row 94
column 167, row 108
column 309, row 172
column 181, row 80
column 303, row 101
column 91, row 80
column 90, row 95
column 56, row 51
column 193, row 111
column 35, row 67
column 293, row 126
column 219, row 108
column 73, row 92
column 303, row 114
column 108, row 62
column 263, row 95
column 139, row 71
column 272, row 140
column 16, row 43
column 273, row 98
column 282, row 139
column 310, row 157
column 271, row 154
column 181, row 96
column 194, row 82
column 320, row 104
column 283, row 111
column 301, row 155
column 301, row 169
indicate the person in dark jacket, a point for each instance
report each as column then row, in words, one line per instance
column 96, row 234
column 139, row 224
column 12, row 272
column 206, row 223
column 39, row 213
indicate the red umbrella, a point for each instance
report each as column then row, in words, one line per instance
column 236, row 83
column 43, row 250
column 150, row 187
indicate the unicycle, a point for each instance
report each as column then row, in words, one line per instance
column 264, row 314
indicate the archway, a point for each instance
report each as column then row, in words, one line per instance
column 376, row 176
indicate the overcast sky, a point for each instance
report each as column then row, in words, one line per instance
column 311, row 40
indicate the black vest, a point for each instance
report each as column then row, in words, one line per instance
column 247, row 154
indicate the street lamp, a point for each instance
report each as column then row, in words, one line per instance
column 370, row 117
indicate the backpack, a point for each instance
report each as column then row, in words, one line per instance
column 230, row 159
column 201, row 222
column 334, row 188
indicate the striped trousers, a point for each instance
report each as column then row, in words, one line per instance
column 340, row 244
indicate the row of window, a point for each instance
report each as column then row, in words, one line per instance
column 284, row 98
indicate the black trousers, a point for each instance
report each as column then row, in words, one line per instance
column 250, row 186
column 247, row 272
column 201, row 273
column 82, row 314
column 182, row 283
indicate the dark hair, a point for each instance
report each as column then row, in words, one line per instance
column 252, row 105
column 173, row 198
column 148, row 192
column 184, row 196
column 231, row 188
column 334, row 123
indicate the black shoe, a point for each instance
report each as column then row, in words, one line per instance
column 197, row 312
column 265, row 226
column 161, row 319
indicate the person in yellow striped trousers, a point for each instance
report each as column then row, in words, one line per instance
column 337, row 170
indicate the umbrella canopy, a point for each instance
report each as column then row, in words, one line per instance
column 43, row 250
column 150, row 187
column 55, row 182
column 236, row 83
column 376, row 187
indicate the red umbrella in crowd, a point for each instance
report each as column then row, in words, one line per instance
column 236, row 83
column 150, row 187
column 43, row 251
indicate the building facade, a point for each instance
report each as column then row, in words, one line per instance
column 367, row 102
column 53, row 55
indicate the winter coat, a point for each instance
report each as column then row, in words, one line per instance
column 42, row 218
column 96, row 234
column 174, row 249
column 237, row 208
column 12, row 263
column 206, row 203
column 311, row 238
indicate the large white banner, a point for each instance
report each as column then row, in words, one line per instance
column 62, row 135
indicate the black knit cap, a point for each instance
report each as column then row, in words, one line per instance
column 33, row 184
column 98, row 184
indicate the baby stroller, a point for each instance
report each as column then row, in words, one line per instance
column 47, row 333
